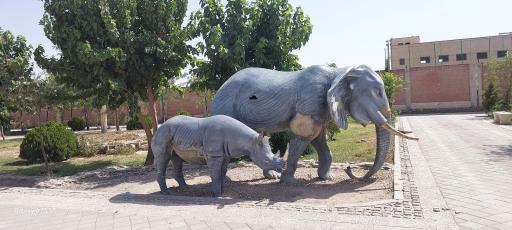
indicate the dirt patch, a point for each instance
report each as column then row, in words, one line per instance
column 245, row 182
column 116, row 138
column 10, row 151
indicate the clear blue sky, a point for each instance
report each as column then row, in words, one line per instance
column 349, row 32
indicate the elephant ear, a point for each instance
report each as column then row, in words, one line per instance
column 338, row 95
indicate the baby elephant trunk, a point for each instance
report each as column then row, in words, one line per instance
column 267, row 161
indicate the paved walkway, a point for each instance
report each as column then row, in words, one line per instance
column 471, row 160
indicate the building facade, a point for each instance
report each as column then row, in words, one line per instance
column 443, row 74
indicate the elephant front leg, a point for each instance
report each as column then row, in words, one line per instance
column 296, row 148
column 215, row 164
column 324, row 156
column 177, row 164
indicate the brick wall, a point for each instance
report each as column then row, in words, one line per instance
column 435, row 87
column 440, row 84
column 191, row 102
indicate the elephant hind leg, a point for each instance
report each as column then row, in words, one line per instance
column 162, row 161
column 324, row 156
column 177, row 164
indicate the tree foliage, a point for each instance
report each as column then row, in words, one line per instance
column 131, row 46
column 16, row 83
column 491, row 98
column 499, row 71
column 392, row 84
column 262, row 33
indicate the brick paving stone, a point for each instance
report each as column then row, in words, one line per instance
column 471, row 161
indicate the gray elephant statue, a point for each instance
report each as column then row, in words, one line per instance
column 212, row 141
column 303, row 102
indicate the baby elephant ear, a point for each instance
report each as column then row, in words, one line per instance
column 337, row 94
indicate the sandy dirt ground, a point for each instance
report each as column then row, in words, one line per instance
column 245, row 182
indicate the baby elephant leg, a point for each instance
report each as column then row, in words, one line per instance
column 225, row 165
column 215, row 168
column 162, row 161
column 177, row 164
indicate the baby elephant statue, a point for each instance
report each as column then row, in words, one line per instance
column 212, row 141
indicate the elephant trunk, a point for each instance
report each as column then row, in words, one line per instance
column 383, row 139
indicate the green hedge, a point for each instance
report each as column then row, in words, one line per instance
column 76, row 124
column 58, row 142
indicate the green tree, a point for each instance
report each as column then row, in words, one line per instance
column 261, row 34
column 15, row 75
column 392, row 84
column 491, row 97
column 132, row 46
column 499, row 70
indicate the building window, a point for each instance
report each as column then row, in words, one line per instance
column 502, row 53
column 481, row 55
column 461, row 57
column 400, row 44
column 425, row 60
column 443, row 58
column 402, row 61
column 407, row 43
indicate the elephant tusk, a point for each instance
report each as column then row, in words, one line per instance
column 396, row 132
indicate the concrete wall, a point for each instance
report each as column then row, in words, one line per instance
column 412, row 52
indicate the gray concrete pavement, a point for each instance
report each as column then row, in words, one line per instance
column 471, row 161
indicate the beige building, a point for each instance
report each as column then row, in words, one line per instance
column 443, row 74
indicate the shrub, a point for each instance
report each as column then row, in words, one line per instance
column 76, row 124
column 491, row 99
column 133, row 124
column 58, row 142
column 279, row 142
column 87, row 150
column 182, row 112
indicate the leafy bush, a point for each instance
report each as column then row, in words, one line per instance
column 279, row 142
column 332, row 130
column 133, row 124
column 183, row 112
column 87, row 150
column 76, row 124
column 491, row 98
column 58, row 143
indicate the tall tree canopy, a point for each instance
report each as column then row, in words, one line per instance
column 130, row 45
column 262, row 33
column 15, row 75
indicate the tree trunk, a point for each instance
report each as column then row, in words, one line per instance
column 58, row 116
column 103, row 119
column 71, row 105
column 86, row 115
column 152, row 107
column 2, row 132
column 149, row 136
column 117, row 121
column 205, row 106
column 47, row 113
column 21, row 121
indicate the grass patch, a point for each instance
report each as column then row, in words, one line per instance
column 356, row 144
column 10, row 143
column 12, row 164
